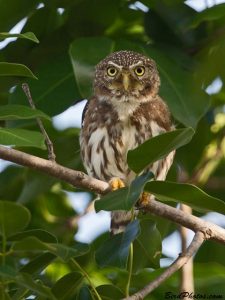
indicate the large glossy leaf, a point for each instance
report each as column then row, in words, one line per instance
column 13, row 112
column 147, row 246
column 157, row 147
column 85, row 53
column 66, row 287
column 27, row 35
column 115, row 250
column 21, row 137
column 35, row 245
column 185, row 193
column 124, row 198
column 13, row 69
column 55, row 89
column 187, row 102
column 13, row 218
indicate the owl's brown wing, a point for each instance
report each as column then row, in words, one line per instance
column 85, row 110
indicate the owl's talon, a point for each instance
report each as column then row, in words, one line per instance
column 116, row 183
column 144, row 199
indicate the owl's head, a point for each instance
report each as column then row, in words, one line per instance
column 126, row 75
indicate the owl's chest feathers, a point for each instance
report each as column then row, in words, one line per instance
column 107, row 144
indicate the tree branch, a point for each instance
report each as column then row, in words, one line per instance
column 187, row 278
column 81, row 180
column 76, row 178
column 176, row 265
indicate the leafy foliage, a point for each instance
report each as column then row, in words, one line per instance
column 60, row 44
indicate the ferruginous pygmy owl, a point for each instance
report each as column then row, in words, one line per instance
column 125, row 111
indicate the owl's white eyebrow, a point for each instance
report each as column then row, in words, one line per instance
column 136, row 64
column 114, row 64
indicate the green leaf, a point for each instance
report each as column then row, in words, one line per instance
column 108, row 292
column 147, row 246
column 67, row 286
column 13, row 218
column 210, row 14
column 55, row 90
column 13, row 112
column 42, row 235
column 13, row 69
column 185, row 193
column 85, row 53
column 157, row 148
column 21, row 137
column 27, row 35
column 124, row 198
column 35, row 245
column 186, row 100
column 114, row 251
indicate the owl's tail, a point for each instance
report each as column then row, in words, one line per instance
column 120, row 219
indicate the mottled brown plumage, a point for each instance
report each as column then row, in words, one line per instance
column 124, row 112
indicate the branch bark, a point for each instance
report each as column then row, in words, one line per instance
column 176, row 265
column 81, row 180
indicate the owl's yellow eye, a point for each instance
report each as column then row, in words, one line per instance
column 112, row 71
column 139, row 71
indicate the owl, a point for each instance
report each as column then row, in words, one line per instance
column 124, row 111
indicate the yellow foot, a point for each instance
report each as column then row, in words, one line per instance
column 116, row 183
column 144, row 199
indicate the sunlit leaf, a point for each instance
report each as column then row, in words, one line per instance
column 27, row 35
column 157, row 147
column 185, row 193
column 13, row 218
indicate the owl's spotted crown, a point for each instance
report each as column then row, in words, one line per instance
column 126, row 58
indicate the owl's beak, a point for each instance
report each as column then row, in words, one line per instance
column 126, row 81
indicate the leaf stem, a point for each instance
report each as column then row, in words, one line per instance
column 130, row 267
column 75, row 263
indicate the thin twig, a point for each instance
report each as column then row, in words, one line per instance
column 48, row 142
column 176, row 265
column 187, row 280
column 81, row 180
